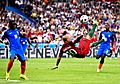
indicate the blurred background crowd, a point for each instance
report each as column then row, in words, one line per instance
column 52, row 17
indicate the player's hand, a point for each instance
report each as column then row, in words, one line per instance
column 54, row 67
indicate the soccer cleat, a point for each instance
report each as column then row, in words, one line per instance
column 23, row 77
column 7, row 76
column 54, row 68
column 98, row 70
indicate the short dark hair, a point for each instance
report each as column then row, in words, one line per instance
column 11, row 24
column 64, row 39
column 64, row 33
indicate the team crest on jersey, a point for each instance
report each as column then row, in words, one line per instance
column 17, row 32
column 23, row 42
column 10, row 33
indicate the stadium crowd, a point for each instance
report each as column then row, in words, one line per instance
column 54, row 18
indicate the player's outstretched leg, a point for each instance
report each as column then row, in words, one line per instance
column 91, row 33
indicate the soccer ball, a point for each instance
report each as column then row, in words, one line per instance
column 84, row 18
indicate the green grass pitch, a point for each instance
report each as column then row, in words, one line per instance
column 70, row 71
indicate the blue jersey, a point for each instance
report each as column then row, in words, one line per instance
column 104, row 47
column 13, row 36
column 24, row 41
column 15, row 46
column 109, row 36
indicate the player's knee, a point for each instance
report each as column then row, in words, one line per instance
column 97, row 57
column 22, row 60
column 12, row 58
column 103, row 56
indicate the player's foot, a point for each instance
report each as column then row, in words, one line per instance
column 98, row 70
column 7, row 76
column 54, row 68
column 23, row 77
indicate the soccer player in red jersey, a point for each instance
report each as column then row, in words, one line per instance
column 85, row 42
column 82, row 50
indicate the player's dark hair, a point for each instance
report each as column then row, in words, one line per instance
column 64, row 33
column 64, row 39
column 11, row 24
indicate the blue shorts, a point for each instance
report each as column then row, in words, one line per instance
column 24, row 48
column 103, row 50
column 17, row 52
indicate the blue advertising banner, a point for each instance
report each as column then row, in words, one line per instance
column 44, row 51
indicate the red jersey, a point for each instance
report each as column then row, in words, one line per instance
column 84, row 46
column 68, row 46
column 82, row 50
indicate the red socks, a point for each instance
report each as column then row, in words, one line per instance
column 10, row 64
column 23, row 67
column 100, row 66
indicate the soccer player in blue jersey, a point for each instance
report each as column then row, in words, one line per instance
column 13, row 35
column 105, row 46
column 24, row 41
